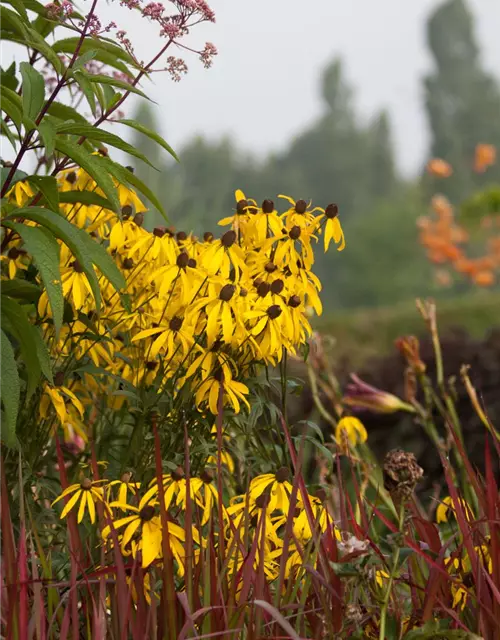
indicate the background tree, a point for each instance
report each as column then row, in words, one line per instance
column 462, row 100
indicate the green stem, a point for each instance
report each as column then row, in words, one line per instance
column 392, row 575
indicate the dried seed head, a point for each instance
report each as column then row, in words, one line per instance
column 182, row 260
column 243, row 292
column 300, row 206
column 268, row 206
column 294, row 301
column 274, row 311
column 332, row 211
column 159, row 232
column 147, row 513
column 208, row 236
column 176, row 323
column 227, row 292
column 401, row 473
column 228, row 239
column 86, row 484
column 126, row 477
column 294, row 233
column 282, row 475
column 277, row 286
column 263, row 289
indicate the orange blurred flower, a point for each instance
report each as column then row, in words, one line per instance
column 443, row 278
column 442, row 206
column 484, row 278
column 439, row 168
column 485, row 156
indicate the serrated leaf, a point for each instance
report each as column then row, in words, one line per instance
column 124, row 176
column 46, row 253
column 10, row 391
column 21, row 289
column 68, row 45
column 87, row 89
column 105, row 137
column 47, row 132
column 43, row 355
column 90, row 164
column 65, row 113
column 33, row 90
column 83, row 58
column 16, row 323
column 37, row 42
column 89, row 198
column 150, row 134
column 47, row 185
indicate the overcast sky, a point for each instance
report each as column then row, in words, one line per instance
column 268, row 45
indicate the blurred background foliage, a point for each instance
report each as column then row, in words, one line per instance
column 344, row 159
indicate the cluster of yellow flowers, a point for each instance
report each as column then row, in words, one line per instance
column 257, row 517
column 202, row 312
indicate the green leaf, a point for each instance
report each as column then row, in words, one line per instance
column 21, row 289
column 65, row 113
column 10, row 391
column 5, row 130
column 12, row 110
column 11, row 21
column 38, row 42
column 102, row 45
column 16, row 323
column 47, row 185
column 105, row 137
column 8, row 78
column 124, row 176
column 90, row 164
column 45, row 251
column 47, row 132
column 19, row 5
column 89, row 198
column 104, row 262
column 114, row 82
column 33, row 90
column 18, row 175
column 83, row 58
column 150, row 134
column 87, row 89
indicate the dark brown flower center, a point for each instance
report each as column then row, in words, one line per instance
column 270, row 267
column 126, row 477
column 13, row 253
column 282, row 474
column 176, row 323
column 192, row 263
column 294, row 301
column 159, row 232
column 86, row 484
column 243, row 292
column 178, row 474
column 274, row 311
column 151, row 365
column 181, row 236
column 207, row 476
column 241, row 206
column 277, row 286
column 182, row 260
column 139, row 219
column 59, row 379
column 263, row 289
column 332, row 211
column 77, row 266
column 147, row 513
column 294, row 233
column 228, row 239
column 71, row 177
column 208, row 236
column 128, row 263
column 300, row 206
column 268, row 206
column 227, row 292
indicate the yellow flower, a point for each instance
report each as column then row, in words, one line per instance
column 20, row 193
column 446, row 506
column 75, row 285
column 299, row 213
column 277, row 486
column 350, row 429
column 124, row 486
column 333, row 229
column 57, row 396
column 234, row 391
column 87, row 493
column 380, row 577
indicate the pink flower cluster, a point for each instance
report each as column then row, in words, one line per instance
column 61, row 11
column 206, row 56
column 176, row 67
